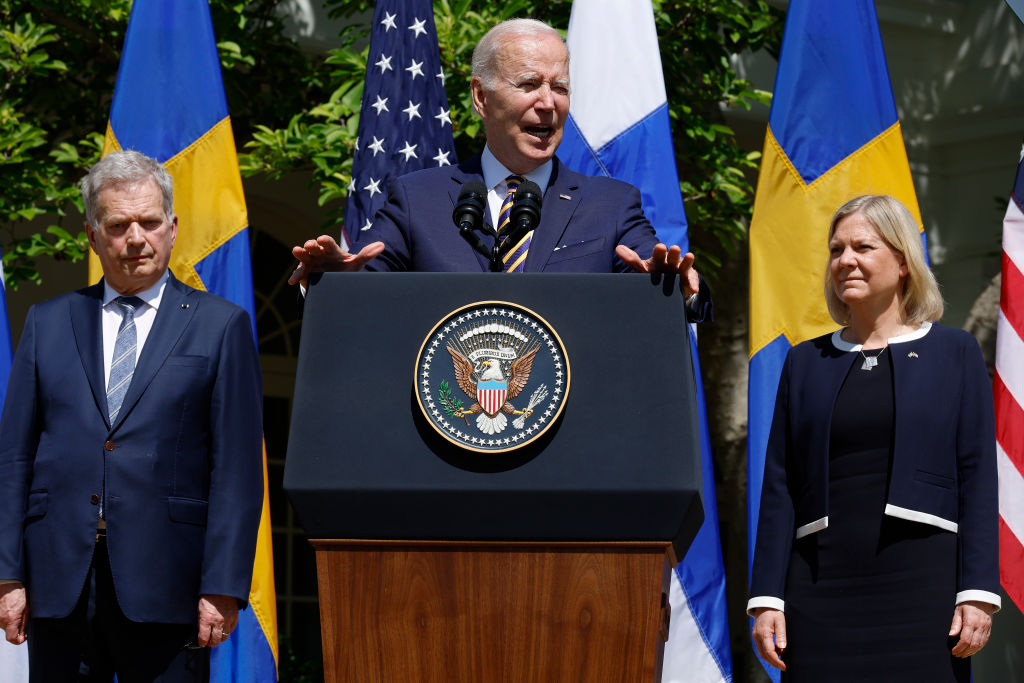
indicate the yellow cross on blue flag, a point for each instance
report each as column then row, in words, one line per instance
column 833, row 134
column 169, row 103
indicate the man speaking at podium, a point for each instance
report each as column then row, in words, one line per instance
column 520, row 88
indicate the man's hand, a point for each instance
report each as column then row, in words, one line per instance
column 14, row 611
column 973, row 621
column 770, row 635
column 663, row 260
column 325, row 255
column 218, row 616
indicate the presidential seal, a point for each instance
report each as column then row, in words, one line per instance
column 492, row 377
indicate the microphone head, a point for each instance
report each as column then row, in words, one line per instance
column 526, row 206
column 470, row 206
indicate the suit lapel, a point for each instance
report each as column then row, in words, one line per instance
column 177, row 306
column 463, row 173
column 87, row 327
column 561, row 199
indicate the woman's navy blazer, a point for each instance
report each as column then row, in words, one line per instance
column 943, row 465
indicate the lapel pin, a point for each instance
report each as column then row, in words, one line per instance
column 912, row 354
column 184, row 306
column 564, row 196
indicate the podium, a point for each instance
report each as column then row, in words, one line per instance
column 547, row 561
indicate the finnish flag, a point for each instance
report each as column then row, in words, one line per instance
column 619, row 127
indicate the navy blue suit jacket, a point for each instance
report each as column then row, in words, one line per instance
column 179, row 472
column 943, row 467
column 583, row 219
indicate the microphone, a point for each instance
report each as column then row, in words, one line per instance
column 524, row 216
column 469, row 214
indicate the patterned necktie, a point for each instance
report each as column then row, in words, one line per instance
column 515, row 258
column 123, row 363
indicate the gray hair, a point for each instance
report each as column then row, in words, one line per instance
column 125, row 167
column 921, row 299
column 485, row 54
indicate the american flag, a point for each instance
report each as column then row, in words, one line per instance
column 405, row 124
column 1008, row 389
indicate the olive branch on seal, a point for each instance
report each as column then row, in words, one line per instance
column 452, row 406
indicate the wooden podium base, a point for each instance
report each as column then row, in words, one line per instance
column 493, row 612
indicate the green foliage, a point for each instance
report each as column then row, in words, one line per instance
column 58, row 64
column 452, row 406
column 320, row 139
column 30, row 169
column 699, row 39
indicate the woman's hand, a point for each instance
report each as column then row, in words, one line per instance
column 973, row 621
column 770, row 635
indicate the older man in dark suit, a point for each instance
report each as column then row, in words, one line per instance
column 130, row 456
column 520, row 88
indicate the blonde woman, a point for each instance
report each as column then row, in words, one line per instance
column 876, row 556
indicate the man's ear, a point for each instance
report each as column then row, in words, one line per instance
column 479, row 94
column 91, row 234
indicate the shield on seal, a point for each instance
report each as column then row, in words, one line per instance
column 491, row 395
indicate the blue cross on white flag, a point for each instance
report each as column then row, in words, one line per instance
column 629, row 137
column 405, row 124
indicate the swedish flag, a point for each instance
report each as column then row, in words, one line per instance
column 833, row 134
column 169, row 103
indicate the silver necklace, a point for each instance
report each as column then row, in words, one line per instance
column 871, row 361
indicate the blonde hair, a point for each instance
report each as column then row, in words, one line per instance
column 921, row 301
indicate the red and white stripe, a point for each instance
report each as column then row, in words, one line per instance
column 491, row 400
column 1008, row 390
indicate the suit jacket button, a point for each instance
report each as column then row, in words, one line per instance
column 94, row 499
column 110, row 445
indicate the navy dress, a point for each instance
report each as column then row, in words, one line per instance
column 871, row 597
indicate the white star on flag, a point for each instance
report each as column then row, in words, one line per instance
column 408, row 151
column 444, row 117
column 373, row 187
column 415, row 69
column 384, row 63
column 442, row 157
column 389, row 21
column 417, row 28
column 412, row 111
column 381, row 105
column 377, row 146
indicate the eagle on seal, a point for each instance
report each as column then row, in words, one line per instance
column 489, row 370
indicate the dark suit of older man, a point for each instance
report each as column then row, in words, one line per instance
column 129, row 517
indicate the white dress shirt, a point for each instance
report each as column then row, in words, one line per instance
column 494, row 178
column 144, row 317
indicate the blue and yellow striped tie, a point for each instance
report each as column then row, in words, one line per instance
column 514, row 259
